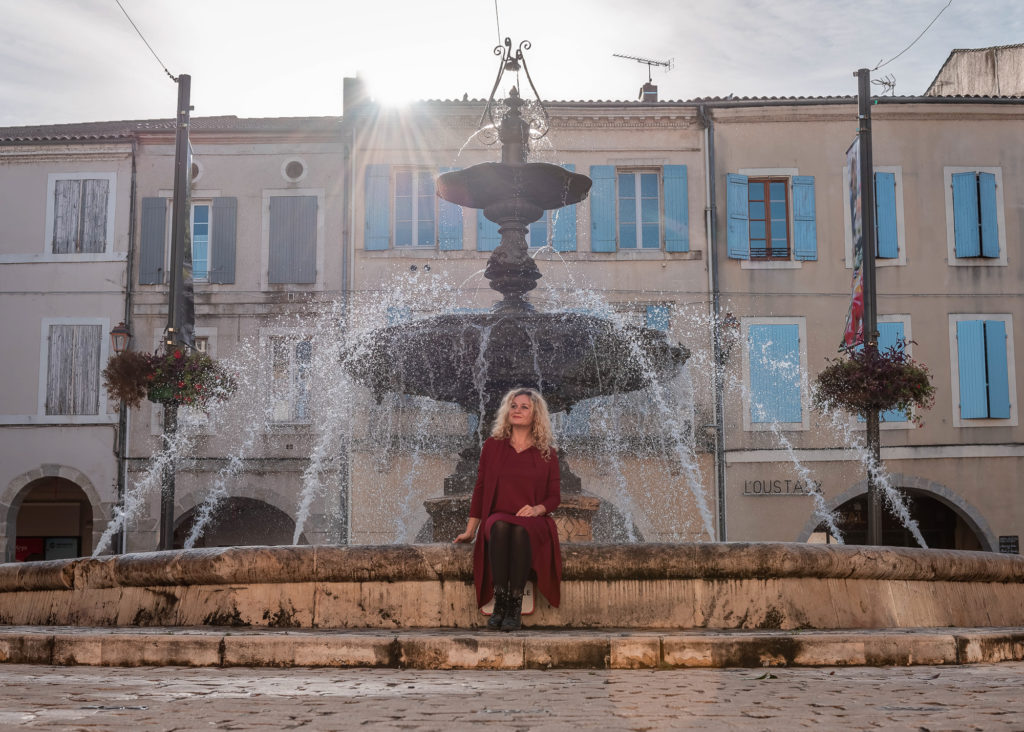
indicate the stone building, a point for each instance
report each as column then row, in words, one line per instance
column 987, row 72
column 307, row 231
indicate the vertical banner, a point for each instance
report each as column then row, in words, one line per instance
column 187, row 315
column 854, row 332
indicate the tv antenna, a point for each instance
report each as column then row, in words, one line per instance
column 649, row 61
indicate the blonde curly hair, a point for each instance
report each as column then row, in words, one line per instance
column 540, row 432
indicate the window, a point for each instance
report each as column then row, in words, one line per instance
column 200, row 241
column 639, row 209
column 402, row 211
column 294, row 223
column 771, row 216
column 890, row 231
column 657, row 317
column 213, row 229
column 639, row 212
column 768, row 206
column 982, row 369
column 290, row 361
column 80, row 212
column 73, row 369
column 775, row 361
column 415, row 208
column 974, row 204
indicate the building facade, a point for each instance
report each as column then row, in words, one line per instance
column 724, row 223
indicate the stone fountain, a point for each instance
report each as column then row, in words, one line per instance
column 474, row 359
column 765, row 587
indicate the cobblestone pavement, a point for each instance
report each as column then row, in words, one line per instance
column 920, row 698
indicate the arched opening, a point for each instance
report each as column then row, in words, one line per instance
column 941, row 525
column 240, row 522
column 53, row 521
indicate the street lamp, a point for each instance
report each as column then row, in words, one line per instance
column 119, row 338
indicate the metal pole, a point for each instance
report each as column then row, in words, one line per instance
column 175, row 292
column 867, row 192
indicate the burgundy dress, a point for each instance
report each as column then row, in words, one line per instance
column 506, row 481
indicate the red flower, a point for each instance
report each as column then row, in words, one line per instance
column 177, row 354
column 181, row 384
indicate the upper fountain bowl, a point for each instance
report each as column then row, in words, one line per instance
column 542, row 185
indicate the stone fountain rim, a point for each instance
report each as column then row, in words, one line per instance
column 432, row 562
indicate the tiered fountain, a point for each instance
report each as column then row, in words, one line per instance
column 474, row 359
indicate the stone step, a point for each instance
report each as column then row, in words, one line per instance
column 528, row 649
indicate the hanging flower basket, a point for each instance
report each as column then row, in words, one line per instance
column 176, row 377
column 865, row 380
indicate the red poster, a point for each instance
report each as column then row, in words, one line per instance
column 28, row 547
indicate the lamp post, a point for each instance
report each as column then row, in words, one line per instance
column 120, row 339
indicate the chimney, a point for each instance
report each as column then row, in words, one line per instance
column 649, row 92
column 354, row 95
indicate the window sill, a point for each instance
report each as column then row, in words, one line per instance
column 978, row 262
column 48, row 258
column 58, row 419
column 769, row 264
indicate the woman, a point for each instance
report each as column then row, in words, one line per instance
column 517, row 486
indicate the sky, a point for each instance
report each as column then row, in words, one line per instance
column 81, row 60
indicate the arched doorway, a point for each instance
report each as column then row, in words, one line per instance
column 240, row 521
column 53, row 520
column 941, row 525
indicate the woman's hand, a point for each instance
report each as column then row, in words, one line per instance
column 465, row 536
column 528, row 511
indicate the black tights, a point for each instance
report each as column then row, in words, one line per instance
column 510, row 555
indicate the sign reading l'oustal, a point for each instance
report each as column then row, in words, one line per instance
column 780, row 487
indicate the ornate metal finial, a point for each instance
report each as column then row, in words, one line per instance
column 514, row 62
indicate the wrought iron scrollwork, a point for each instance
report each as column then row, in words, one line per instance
column 514, row 61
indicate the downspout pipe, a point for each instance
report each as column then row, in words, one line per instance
column 715, row 315
column 124, row 414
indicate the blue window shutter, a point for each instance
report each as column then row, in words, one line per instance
column 987, row 212
column 885, row 215
column 774, row 352
column 805, row 235
column 997, row 371
column 965, row 215
column 449, row 223
column 677, row 209
column 602, row 208
column 293, row 239
column 970, row 349
column 378, row 207
column 151, row 245
column 889, row 335
column 657, row 317
column 739, row 221
column 222, row 256
column 564, row 234
column 487, row 235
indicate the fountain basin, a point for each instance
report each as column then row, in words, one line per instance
column 569, row 356
column 679, row 586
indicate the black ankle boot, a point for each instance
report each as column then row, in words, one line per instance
column 501, row 600
column 514, row 612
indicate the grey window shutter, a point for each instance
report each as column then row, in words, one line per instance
column 94, row 215
column 293, row 239
column 151, row 246
column 67, row 201
column 73, row 369
column 222, row 241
